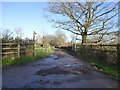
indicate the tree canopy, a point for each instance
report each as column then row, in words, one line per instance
column 85, row 18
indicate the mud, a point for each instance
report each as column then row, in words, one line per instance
column 60, row 70
column 55, row 71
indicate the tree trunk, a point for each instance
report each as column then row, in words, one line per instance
column 84, row 38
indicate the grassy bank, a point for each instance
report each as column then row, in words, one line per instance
column 40, row 53
column 111, row 70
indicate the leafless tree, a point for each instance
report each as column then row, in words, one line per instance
column 6, row 35
column 84, row 18
column 46, row 40
column 19, row 34
column 59, row 39
column 38, row 38
column 112, row 38
column 73, row 38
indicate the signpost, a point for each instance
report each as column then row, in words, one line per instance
column 34, row 41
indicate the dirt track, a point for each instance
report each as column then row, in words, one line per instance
column 60, row 70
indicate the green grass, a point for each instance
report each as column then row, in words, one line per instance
column 111, row 70
column 41, row 53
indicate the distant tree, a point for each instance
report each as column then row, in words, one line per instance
column 19, row 35
column 27, row 40
column 73, row 38
column 38, row 38
column 59, row 39
column 52, row 40
column 6, row 35
column 46, row 40
column 84, row 18
column 112, row 38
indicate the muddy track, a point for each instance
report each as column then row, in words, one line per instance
column 60, row 70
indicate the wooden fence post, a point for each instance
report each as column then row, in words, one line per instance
column 34, row 42
column 18, row 50
column 118, row 54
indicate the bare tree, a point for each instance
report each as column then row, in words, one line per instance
column 38, row 38
column 6, row 35
column 19, row 34
column 112, row 38
column 73, row 38
column 59, row 39
column 46, row 40
column 84, row 18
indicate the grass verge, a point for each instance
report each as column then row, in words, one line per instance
column 112, row 70
column 40, row 53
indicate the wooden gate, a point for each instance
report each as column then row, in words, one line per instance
column 16, row 50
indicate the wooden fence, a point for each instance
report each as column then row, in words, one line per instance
column 107, row 53
column 16, row 50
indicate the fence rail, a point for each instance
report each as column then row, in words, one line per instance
column 17, row 50
column 107, row 53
